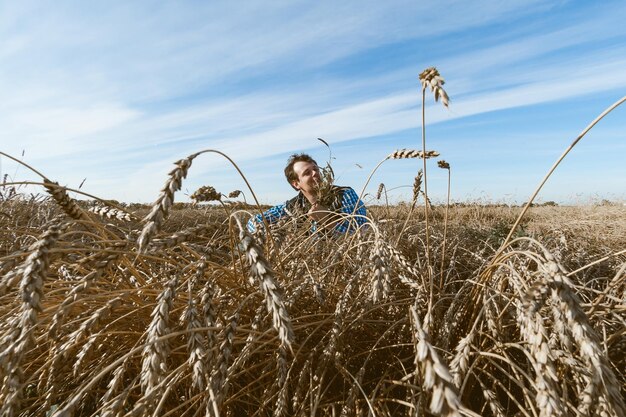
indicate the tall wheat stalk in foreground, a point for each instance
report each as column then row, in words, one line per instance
column 444, row 165
column 429, row 78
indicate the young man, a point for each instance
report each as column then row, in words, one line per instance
column 341, row 211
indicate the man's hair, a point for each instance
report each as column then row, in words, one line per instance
column 290, row 174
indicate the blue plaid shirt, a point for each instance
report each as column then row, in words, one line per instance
column 348, row 205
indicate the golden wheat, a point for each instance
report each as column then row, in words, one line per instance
column 197, row 320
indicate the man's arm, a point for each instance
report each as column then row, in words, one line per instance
column 271, row 215
column 350, row 204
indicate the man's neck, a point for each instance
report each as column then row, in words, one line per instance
column 311, row 198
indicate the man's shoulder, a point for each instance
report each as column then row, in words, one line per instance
column 342, row 191
column 342, row 188
column 344, row 197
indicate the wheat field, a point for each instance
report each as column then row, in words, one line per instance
column 176, row 310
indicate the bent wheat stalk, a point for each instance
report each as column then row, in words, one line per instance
column 556, row 164
column 398, row 154
column 160, row 209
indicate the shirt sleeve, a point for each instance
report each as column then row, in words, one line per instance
column 352, row 206
column 271, row 215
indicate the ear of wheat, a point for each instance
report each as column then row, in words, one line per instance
column 67, row 204
column 443, row 164
column 16, row 343
column 206, row 193
column 412, row 153
column 156, row 350
column 417, row 185
column 161, row 207
column 379, row 193
column 445, row 400
column 430, row 77
column 110, row 213
column 261, row 270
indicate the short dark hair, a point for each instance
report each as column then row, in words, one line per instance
column 290, row 174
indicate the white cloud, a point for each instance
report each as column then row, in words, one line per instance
column 47, row 132
column 137, row 89
column 121, row 50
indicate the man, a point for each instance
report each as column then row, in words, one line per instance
column 340, row 210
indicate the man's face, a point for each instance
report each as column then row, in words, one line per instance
column 308, row 177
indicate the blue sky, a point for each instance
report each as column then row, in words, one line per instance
column 115, row 92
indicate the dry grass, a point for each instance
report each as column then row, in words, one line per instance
column 327, row 325
column 184, row 313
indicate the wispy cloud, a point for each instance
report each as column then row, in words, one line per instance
column 136, row 86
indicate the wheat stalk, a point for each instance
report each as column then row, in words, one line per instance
column 112, row 386
column 585, row 337
column 412, row 153
column 380, row 278
column 353, row 392
column 67, row 204
column 206, row 193
column 195, row 347
column 261, row 271
column 208, row 312
column 379, row 192
column 417, row 184
column 445, row 399
column 534, row 333
column 156, row 351
column 114, row 407
column 459, row 364
column 218, row 382
column 330, row 348
column 10, row 279
column 552, row 169
column 492, row 401
column 19, row 340
column 283, row 393
column 184, row 236
column 111, row 213
column 253, row 336
column 101, row 261
column 87, row 329
column 430, row 77
column 444, row 165
column 162, row 205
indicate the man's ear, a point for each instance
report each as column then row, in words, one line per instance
column 295, row 185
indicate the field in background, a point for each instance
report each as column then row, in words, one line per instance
column 209, row 320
